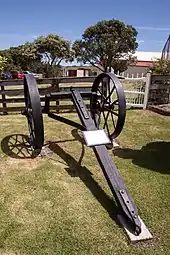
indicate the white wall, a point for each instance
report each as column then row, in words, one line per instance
column 80, row 73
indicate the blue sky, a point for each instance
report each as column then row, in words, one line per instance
column 22, row 21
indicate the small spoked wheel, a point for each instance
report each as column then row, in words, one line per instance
column 108, row 104
column 33, row 112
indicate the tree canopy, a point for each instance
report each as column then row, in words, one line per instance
column 161, row 66
column 43, row 55
column 108, row 43
column 20, row 57
column 53, row 49
column 105, row 42
column 3, row 61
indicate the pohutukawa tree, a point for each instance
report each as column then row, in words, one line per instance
column 20, row 57
column 52, row 49
column 106, row 43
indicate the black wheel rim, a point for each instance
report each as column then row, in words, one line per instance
column 33, row 112
column 108, row 104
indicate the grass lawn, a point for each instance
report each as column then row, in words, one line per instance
column 61, row 203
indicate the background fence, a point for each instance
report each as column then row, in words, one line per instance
column 139, row 92
column 159, row 90
column 12, row 92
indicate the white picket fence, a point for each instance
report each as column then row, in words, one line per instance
column 131, row 75
column 137, row 91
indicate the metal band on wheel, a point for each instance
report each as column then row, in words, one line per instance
column 33, row 112
column 108, row 101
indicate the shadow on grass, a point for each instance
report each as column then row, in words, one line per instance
column 153, row 156
column 17, row 146
column 75, row 169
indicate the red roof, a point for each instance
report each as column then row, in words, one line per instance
column 142, row 63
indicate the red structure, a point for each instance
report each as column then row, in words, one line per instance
column 142, row 63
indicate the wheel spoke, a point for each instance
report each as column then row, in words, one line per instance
column 105, row 124
column 109, row 94
column 31, row 128
column 113, row 120
column 116, row 101
column 106, row 119
column 99, row 91
column 101, row 95
column 115, row 113
column 110, row 110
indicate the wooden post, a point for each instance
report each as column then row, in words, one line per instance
column 147, row 89
column 55, row 84
column 3, row 101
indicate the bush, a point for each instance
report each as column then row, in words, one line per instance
column 161, row 67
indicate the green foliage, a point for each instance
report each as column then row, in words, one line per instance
column 3, row 61
column 44, row 55
column 161, row 67
column 51, row 70
column 105, row 42
column 53, row 49
column 20, row 57
column 121, row 64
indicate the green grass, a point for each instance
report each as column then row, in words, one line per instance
column 61, row 203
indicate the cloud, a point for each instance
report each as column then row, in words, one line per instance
column 140, row 41
column 153, row 28
column 157, row 41
column 150, row 40
column 8, row 40
column 17, row 36
column 34, row 36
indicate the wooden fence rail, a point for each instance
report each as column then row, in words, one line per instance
column 159, row 90
column 12, row 92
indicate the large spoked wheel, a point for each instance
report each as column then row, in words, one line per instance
column 108, row 104
column 33, row 112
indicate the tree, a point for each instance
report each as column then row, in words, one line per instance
column 3, row 61
column 161, row 66
column 105, row 43
column 120, row 65
column 52, row 49
column 21, row 57
column 9, row 63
